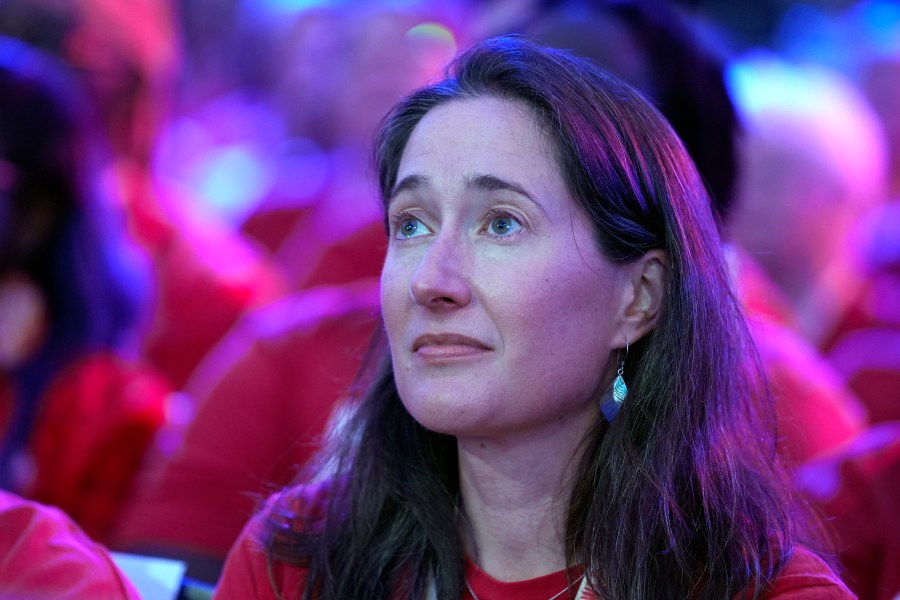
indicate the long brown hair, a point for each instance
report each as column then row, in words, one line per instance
column 682, row 495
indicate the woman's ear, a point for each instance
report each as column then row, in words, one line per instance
column 647, row 286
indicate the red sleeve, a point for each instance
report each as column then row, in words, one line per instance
column 807, row 577
column 247, row 573
column 200, row 499
column 206, row 280
column 44, row 555
column 97, row 421
column 264, row 397
column 815, row 411
column 858, row 491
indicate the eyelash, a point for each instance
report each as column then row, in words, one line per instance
column 495, row 213
column 398, row 220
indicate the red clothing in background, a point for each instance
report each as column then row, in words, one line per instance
column 247, row 574
column 865, row 349
column 95, row 422
column 864, row 344
column 859, row 491
column 816, row 413
column 44, row 555
column 264, row 396
column 206, row 277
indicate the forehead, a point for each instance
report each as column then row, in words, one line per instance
column 483, row 134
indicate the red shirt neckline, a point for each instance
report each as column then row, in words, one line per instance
column 544, row 587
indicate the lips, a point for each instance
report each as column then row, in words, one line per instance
column 444, row 346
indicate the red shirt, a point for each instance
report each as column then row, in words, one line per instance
column 43, row 554
column 206, row 277
column 806, row 576
column 815, row 411
column 859, row 493
column 247, row 575
column 96, row 420
column 264, row 397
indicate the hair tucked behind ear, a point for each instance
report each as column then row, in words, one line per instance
column 682, row 495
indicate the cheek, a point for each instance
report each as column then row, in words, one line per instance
column 558, row 311
column 395, row 296
column 560, row 348
column 400, row 311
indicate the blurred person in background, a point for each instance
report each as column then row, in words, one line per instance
column 77, row 410
column 821, row 163
column 266, row 391
column 865, row 346
column 128, row 57
column 265, row 394
column 811, row 208
column 858, row 491
column 279, row 135
column 813, row 163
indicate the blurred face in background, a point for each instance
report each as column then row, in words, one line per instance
column 23, row 310
column 882, row 87
column 341, row 71
column 792, row 212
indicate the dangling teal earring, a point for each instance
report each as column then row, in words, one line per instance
column 610, row 407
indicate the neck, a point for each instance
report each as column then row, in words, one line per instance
column 515, row 494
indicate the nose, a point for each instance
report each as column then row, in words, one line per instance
column 441, row 279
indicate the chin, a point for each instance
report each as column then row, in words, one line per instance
column 441, row 413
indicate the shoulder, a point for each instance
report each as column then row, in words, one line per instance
column 807, row 576
column 249, row 571
column 46, row 555
column 110, row 388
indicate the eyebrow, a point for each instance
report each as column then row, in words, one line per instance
column 475, row 181
column 492, row 183
column 408, row 183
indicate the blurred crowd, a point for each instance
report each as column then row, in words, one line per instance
column 190, row 237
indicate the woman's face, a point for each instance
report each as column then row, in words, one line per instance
column 501, row 312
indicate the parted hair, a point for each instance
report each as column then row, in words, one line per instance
column 682, row 495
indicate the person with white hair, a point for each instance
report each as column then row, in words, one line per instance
column 813, row 161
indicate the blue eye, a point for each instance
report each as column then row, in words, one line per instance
column 504, row 225
column 410, row 227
